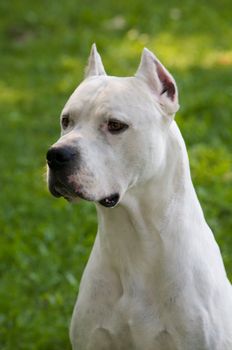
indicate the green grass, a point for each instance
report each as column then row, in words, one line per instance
column 44, row 242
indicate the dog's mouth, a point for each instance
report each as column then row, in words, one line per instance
column 111, row 201
column 58, row 189
column 68, row 194
column 62, row 189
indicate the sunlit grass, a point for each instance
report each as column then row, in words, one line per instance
column 197, row 50
column 11, row 95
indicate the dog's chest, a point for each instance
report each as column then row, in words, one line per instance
column 130, row 323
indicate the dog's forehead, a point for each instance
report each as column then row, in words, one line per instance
column 111, row 93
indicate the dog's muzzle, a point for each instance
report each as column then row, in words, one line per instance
column 61, row 162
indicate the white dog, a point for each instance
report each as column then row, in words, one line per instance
column 155, row 279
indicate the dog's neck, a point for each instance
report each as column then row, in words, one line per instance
column 152, row 218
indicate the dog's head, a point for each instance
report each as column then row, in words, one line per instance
column 112, row 132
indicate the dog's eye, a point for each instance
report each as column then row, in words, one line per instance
column 65, row 121
column 115, row 126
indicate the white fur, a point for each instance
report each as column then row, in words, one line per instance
column 155, row 279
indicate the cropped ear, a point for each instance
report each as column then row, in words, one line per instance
column 160, row 81
column 95, row 66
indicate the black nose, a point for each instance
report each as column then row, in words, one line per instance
column 59, row 157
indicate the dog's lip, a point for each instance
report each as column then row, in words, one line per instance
column 67, row 193
column 59, row 189
column 54, row 191
column 110, row 201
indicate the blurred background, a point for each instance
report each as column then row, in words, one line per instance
column 44, row 45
